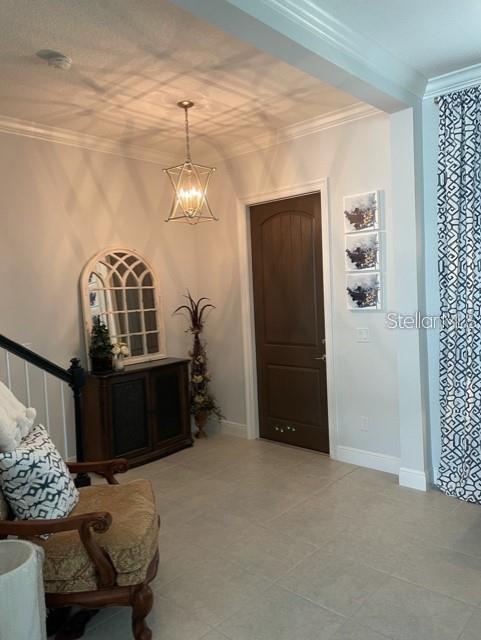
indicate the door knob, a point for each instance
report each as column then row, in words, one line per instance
column 323, row 357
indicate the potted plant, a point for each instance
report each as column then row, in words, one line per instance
column 100, row 350
column 202, row 402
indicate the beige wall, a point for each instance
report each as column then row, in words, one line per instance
column 58, row 206
column 355, row 158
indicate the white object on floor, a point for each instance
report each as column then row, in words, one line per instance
column 16, row 420
column 22, row 599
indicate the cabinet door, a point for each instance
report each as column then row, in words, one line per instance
column 130, row 427
column 170, row 400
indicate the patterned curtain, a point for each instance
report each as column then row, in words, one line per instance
column 459, row 227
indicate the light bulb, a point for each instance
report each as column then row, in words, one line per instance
column 189, row 192
column 190, row 200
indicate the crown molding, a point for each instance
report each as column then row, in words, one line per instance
column 47, row 133
column 306, row 18
column 453, row 81
column 309, row 127
column 335, row 118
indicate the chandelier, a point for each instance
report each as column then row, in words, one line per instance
column 190, row 182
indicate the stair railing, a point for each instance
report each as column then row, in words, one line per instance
column 74, row 376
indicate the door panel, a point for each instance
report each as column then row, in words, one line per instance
column 287, row 270
column 166, row 389
column 289, row 321
column 293, row 393
column 129, row 416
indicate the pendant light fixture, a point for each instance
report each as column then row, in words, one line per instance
column 190, row 182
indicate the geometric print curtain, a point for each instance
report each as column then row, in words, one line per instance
column 459, row 266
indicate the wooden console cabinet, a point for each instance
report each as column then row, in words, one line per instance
column 141, row 413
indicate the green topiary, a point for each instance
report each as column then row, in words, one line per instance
column 100, row 344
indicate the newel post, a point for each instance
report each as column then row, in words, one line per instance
column 77, row 381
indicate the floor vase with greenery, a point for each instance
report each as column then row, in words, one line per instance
column 202, row 403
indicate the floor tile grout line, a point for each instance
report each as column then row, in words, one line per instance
column 318, row 604
column 388, row 497
column 244, row 603
column 274, row 584
column 435, row 591
column 266, row 522
column 465, row 626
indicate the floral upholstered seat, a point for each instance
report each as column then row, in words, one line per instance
column 130, row 542
column 105, row 552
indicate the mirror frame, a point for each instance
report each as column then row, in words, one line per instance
column 87, row 317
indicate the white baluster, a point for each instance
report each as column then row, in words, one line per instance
column 9, row 374
column 27, row 383
column 45, row 397
column 64, row 422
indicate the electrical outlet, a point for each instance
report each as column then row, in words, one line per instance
column 364, row 423
column 363, row 334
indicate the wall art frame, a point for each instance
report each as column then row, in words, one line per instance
column 362, row 212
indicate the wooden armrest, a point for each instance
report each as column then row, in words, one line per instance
column 85, row 524
column 105, row 468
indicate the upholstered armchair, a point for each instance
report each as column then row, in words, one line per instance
column 106, row 552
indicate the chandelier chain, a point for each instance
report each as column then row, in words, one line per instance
column 187, row 136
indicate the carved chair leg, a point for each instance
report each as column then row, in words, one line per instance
column 142, row 602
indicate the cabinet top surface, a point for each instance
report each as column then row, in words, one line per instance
column 141, row 366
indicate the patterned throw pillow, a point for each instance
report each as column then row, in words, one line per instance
column 35, row 480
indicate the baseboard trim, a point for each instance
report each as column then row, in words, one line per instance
column 369, row 459
column 413, row 479
column 228, row 427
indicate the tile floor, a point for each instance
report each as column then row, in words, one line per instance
column 265, row 542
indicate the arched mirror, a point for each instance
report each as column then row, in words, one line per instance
column 119, row 286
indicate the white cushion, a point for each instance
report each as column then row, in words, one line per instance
column 16, row 421
column 35, row 480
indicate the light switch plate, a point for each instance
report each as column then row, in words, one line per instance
column 362, row 334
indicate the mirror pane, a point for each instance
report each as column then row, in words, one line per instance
column 140, row 268
column 150, row 321
column 152, row 342
column 131, row 281
column 148, row 298
column 133, row 299
column 116, row 280
column 136, row 346
column 121, row 268
column 135, row 323
column 116, row 299
column 98, row 302
column 120, row 289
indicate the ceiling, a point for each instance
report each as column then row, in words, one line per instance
column 130, row 67
column 432, row 36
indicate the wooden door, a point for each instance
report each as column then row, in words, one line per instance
column 289, row 321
